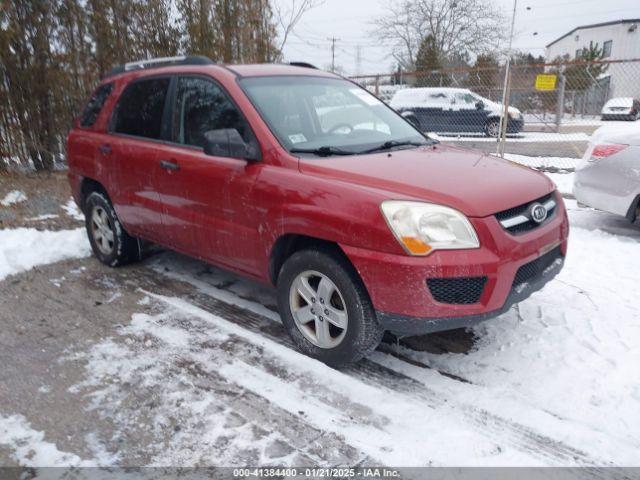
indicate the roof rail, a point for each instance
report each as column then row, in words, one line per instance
column 160, row 62
column 303, row 65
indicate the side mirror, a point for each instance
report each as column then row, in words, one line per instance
column 480, row 105
column 227, row 142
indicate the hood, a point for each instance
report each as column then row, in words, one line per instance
column 474, row 183
column 498, row 108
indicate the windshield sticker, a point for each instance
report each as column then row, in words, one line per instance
column 365, row 97
column 297, row 138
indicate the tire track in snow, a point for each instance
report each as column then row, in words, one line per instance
column 389, row 374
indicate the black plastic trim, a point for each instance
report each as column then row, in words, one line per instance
column 408, row 326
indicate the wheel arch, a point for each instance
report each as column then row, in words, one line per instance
column 632, row 213
column 290, row 243
column 87, row 187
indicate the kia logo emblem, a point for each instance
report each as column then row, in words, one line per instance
column 538, row 212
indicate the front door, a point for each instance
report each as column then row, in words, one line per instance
column 207, row 200
column 465, row 115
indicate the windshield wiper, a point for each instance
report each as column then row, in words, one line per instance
column 325, row 151
column 393, row 143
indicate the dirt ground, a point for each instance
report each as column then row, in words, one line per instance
column 46, row 194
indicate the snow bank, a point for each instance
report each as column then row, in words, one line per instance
column 24, row 248
column 15, row 196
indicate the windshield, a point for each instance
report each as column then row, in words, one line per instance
column 309, row 114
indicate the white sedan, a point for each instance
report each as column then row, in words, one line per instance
column 608, row 177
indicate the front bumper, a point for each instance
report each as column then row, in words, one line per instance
column 403, row 325
column 618, row 116
column 404, row 302
column 515, row 125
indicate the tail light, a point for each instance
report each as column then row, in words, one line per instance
column 605, row 150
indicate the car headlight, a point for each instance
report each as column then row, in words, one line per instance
column 422, row 228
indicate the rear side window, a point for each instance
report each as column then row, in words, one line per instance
column 140, row 108
column 95, row 104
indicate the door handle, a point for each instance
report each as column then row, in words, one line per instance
column 169, row 165
column 105, row 149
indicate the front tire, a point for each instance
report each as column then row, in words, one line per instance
column 110, row 243
column 326, row 309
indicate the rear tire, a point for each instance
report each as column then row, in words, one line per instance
column 492, row 128
column 110, row 243
column 307, row 310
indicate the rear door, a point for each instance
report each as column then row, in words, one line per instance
column 207, row 203
column 136, row 141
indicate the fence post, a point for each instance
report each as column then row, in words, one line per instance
column 376, row 90
column 560, row 104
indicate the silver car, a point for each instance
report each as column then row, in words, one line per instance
column 608, row 176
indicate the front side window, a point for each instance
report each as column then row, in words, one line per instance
column 141, row 107
column 306, row 113
column 95, row 104
column 202, row 106
column 606, row 48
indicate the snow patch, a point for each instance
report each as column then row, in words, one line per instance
column 13, row 197
column 25, row 248
column 29, row 448
column 71, row 209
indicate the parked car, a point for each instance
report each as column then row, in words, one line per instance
column 305, row 181
column 608, row 177
column 623, row 108
column 454, row 110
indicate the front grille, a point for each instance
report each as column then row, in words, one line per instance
column 461, row 291
column 532, row 270
column 523, row 210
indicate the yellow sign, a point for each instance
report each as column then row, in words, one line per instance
column 546, row 82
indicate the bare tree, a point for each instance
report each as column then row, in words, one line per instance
column 459, row 27
column 287, row 17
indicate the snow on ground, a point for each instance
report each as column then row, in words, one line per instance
column 564, row 182
column 13, row 197
column 560, row 163
column 71, row 209
column 518, row 138
column 29, row 448
column 25, row 248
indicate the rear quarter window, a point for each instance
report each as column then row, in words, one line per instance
column 141, row 107
column 95, row 104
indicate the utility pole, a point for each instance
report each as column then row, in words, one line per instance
column 506, row 92
column 333, row 41
column 358, row 59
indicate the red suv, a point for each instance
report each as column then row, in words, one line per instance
column 302, row 179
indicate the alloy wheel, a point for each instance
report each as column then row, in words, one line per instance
column 318, row 309
column 102, row 230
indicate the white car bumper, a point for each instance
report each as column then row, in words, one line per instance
column 600, row 186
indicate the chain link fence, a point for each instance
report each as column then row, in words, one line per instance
column 553, row 108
